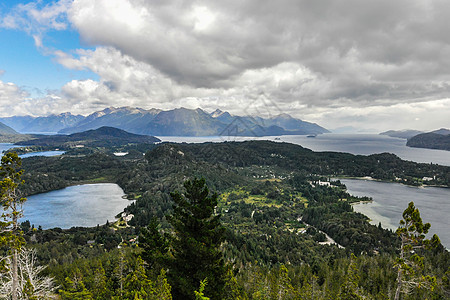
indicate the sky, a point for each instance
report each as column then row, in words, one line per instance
column 359, row 65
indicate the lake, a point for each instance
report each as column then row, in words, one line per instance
column 7, row 146
column 391, row 199
column 42, row 153
column 364, row 144
column 81, row 205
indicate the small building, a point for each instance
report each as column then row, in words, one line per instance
column 324, row 183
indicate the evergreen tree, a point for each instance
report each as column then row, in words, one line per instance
column 11, row 235
column 75, row 290
column 137, row 284
column 197, row 238
column 163, row 288
column 232, row 290
column 99, row 289
column 311, row 289
column 410, row 264
column 199, row 295
column 154, row 245
column 284, row 288
column 350, row 289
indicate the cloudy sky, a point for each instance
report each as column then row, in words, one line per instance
column 368, row 64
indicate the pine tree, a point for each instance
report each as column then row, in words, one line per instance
column 197, row 238
column 155, row 246
column 199, row 295
column 163, row 288
column 137, row 284
column 99, row 289
column 232, row 291
column 410, row 264
column 311, row 289
column 76, row 290
column 350, row 289
column 11, row 235
column 284, row 288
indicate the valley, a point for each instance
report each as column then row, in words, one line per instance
column 276, row 202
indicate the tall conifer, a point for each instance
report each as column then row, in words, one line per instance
column 197, row 238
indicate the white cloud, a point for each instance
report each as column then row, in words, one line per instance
column 35, row 18
column 11, row 94
column 122, row 78
column 426, row 115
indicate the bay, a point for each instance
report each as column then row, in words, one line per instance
column 42, row 153
column 360, row 144
column 391, row 199
column 7, row 146
column 82, row 205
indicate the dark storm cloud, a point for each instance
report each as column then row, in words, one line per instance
column 365, row 49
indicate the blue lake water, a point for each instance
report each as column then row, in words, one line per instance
column 391, row 199
column 6, row 146
column 43, row 153
column 82, row 205
column 363, row 144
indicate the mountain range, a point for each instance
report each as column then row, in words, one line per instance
column 6, row 130
column 402, row 134
column 176, row 122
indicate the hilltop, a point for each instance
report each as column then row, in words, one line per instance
column 101, row 137
column 403, row 134
column 438, row 139
column 6, row 130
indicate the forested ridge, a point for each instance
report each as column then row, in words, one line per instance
column 274, row 215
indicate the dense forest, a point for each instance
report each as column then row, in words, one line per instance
column 430, row 140
column 257, row 226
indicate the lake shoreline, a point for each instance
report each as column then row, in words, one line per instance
column 367, row 178
column 80, row 205
column 390, row 200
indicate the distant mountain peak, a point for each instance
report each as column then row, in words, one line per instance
column 216, row 113
column 180, row 121
column 283, row 115
column 442, row 131
column 64, row 114
column 403, row 134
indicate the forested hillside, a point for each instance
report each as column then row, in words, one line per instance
column 430, row 140
column 265, row 230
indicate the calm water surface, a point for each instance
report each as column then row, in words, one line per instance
column 6, row 146
column 391, row 199
column 364, row 144
column 42, row 153
column 82, row 205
